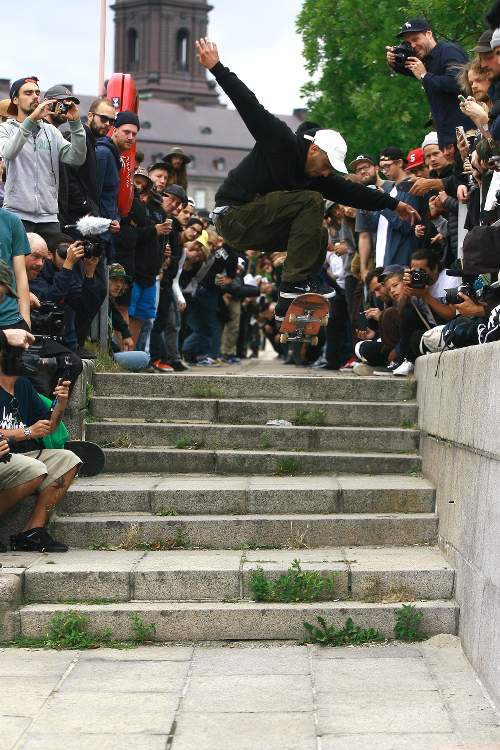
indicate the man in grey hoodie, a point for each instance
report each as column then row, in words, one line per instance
column 32, row 150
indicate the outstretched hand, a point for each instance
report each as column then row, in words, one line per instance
column 207, row 53
column 407, row 213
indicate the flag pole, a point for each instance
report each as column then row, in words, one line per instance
column 102, row 46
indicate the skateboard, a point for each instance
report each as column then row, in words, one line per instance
column 123, row 93
column 304, row 318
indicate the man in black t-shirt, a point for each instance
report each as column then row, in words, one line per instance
column 31, row 468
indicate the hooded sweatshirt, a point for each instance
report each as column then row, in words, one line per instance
column 32, row 152
column 108, row 176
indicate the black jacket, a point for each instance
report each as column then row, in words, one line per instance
column 441, row 87
column 278, row 158
column 83, row 193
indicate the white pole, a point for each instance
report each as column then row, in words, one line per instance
column 102, row 46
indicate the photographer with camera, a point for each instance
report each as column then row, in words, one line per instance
column 435, row 65
column 29, row 468
column 68, row 281
column 32, row 150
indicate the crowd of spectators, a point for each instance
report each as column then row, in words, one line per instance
column 172, row 295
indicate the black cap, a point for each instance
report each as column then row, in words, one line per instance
column 392, row 152
column 61, row 93
column 484, row 42
column 388, row 270
column 361, row 158
column 414, row 25
column 178, row 191
column 127, row 118
column 14, row 91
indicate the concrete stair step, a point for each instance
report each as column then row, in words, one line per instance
column 177, row 461
column 245, row 411
column 361, row 574
column 190, row 621
column 239, row 531
column 250, row 437
column 199, row 493
column 338, row 387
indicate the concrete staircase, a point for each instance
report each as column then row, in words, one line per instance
column 199, row 491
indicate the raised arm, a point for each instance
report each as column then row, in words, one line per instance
column 262, row 124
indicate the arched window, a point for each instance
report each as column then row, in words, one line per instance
column 132, row 48
column 182, row 49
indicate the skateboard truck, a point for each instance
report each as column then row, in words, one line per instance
column 304, row 318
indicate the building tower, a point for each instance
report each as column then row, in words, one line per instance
column 154, row 40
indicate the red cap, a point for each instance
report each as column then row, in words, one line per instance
column 415, row 158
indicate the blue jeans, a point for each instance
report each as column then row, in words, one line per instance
column 132, row 361
column 205, row 325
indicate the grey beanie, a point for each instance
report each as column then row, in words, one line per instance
column 495, row 39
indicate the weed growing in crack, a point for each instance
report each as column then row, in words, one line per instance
column 143, row 632
column 286, row 466
column 310, row 417
column 296, row 585
column 408, row 626
column 349, row 635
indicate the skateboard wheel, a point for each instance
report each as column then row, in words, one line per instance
column 292, row 318
column 314, row 341
column 283, row 338
column 324, row 321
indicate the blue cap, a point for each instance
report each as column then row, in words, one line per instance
column 414, row 25
column 388, row 270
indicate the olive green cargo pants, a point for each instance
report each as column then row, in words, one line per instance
column 290, row 220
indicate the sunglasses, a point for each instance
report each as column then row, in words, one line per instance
column 105, row 119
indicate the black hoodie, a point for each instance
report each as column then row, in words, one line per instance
column 277, row 160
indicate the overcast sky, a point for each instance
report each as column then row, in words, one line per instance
column 58, row 42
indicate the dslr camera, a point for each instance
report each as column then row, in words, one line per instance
column 47, row 322
column 401, row 54
column 419, row 279
column 472, row 286
column 91, row 248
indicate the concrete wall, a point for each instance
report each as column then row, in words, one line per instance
column 459, row 415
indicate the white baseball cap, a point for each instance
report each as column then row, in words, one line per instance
column 332, row 142
column 431, row 139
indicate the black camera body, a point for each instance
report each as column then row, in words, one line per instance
column 91, row 248
column 48, row 321
column 28, row 362
column 419, row 279
column 401, row 54
column 451, row 295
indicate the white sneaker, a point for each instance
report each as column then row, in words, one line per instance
column 381, row 371
column 406, row 368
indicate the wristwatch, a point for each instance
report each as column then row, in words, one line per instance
column 27, row 433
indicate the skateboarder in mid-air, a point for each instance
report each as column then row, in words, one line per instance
column 274, row 199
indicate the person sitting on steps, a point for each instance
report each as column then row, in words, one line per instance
column 274, row 199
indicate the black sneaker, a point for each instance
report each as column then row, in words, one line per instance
column 292, row 289
column 179, row 365
column 36, row 540
column 281, row 308
column 319, row 287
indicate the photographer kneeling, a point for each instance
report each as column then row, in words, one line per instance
column 26, row 467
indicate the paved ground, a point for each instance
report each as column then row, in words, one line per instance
column 422, row 697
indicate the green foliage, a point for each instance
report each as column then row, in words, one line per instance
column 89, row 393
column 296, row 585
column 104, row 362
column 408, row 624
column 266, row 440
column 206, row 391
column 285, row 466
column 142, row 631
column 311, row 417
column 409, row 424
column 122, row 440
column 189, row 442
column 352, row 88
column 167, row 512
column 349, row 635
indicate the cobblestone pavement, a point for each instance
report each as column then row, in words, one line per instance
column 250, row 697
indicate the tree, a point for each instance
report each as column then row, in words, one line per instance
column 352, row 89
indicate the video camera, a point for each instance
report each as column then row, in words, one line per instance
column 87, row 231
column 401, row 54
column 47, row 321
column 91, row 248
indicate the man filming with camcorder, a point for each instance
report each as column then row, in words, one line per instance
column 435, row 65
